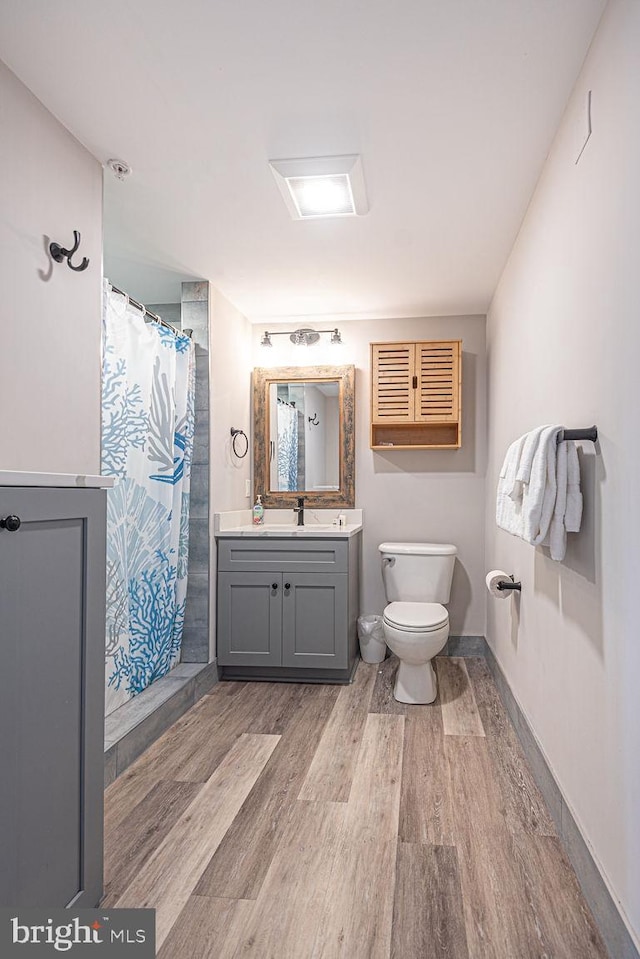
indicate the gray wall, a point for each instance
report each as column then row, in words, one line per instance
column 230, row 397
column 430, row 495
column 50, row 316
column 564, row 341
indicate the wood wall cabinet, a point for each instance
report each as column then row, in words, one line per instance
column 416, row 395
column 52, row 601
column 287, row 608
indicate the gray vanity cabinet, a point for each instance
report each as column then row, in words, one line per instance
column 52, row 598
column 287, row 608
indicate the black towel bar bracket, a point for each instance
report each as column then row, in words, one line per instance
column 506, row 584
column 591, row 434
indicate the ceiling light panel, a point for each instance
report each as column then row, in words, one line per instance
column 322, row 195
column 315, row 187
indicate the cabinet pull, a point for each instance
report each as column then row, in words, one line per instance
column 10, row 523
column 274, row 586
column 287, row 585
column 415, row 382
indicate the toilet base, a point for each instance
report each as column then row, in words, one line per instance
column 415, row 684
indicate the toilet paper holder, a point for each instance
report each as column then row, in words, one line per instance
column 509, row 584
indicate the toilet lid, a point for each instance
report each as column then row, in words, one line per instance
column 416, row 615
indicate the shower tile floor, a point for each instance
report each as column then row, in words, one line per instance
column 288, row 821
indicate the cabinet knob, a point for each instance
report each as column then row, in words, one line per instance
column 10, row 523
column 287, row 585
column 274, row 586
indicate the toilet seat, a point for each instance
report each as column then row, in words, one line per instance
column 416, row 617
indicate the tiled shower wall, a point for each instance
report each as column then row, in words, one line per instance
column 193, row 314
column 195, row 639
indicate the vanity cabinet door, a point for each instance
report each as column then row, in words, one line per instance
column 249, row 619
column 314, row 620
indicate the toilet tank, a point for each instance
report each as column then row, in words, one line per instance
column 417, row 572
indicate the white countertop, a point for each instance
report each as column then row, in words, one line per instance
column 276, row 530
column 318, row 524
column 63, row 480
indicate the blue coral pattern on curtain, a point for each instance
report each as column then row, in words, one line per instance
column 148, row 385
column 287, row 447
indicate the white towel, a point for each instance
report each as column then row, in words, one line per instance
column 530, row 442
column 539, row 494
column 509, row 512
column 573, row 514
column 557, row 538
column 567, row 514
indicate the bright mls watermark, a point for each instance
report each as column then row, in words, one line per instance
column 78, row 933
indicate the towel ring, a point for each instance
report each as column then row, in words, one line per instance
column 234, row 438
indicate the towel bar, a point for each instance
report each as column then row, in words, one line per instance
column 591, row 433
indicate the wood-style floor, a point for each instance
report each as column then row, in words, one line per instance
column 286, row 821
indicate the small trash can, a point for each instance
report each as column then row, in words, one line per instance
column 373, row 648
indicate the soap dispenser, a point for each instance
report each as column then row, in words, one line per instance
column 258, row 512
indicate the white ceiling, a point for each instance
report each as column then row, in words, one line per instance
column 452, row 105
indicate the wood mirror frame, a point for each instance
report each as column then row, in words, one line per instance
column 320, row 499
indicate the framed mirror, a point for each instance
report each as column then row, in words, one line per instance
column 304, row 435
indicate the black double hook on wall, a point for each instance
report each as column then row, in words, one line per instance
column 59, row 254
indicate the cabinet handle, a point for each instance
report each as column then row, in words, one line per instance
column 10, row 523
column 415, row 382
column 287, row 585
column 274, row 586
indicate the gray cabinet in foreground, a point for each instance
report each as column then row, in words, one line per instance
column 52, row 598
column 287, row 609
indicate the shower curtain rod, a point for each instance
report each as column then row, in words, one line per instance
column 146, row 312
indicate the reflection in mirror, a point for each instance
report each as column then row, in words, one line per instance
column 304, row 435
column 304, row 432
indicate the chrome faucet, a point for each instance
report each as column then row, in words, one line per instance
column 299, row 509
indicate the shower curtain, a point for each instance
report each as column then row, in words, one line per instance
column 148, row 388
column 287, row 447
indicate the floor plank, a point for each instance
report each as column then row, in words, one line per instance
column 292, row 900
column 331, row 772
column 221, row 729
column 374, row 802
column 280, row 706
column 426, row 810
column 169, row 877
column 207, row 928
column 176, row 754
column 525, row 808
column 428, row 919
column 130, row 845
column 460, row 716
column 498, row 920
column 555, row 899
column 382, row 699
column 239, row 865
column 358, row 910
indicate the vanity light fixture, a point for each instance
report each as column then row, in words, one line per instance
column 302, row 337
column 315, row 187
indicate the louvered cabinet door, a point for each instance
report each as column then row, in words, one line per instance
column 438, row 370
column 393, row 373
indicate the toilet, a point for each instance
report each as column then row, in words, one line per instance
column 417, row 582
